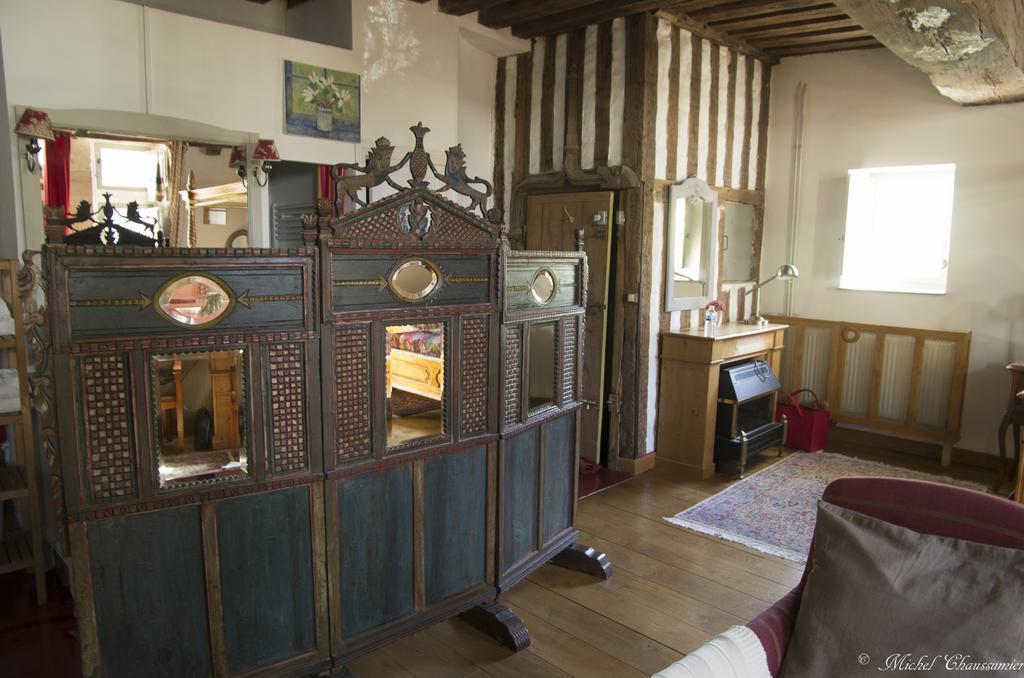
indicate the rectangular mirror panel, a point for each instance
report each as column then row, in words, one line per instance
column 414, row 382
column 201, row 417
column 738, row 243
column 542, row 359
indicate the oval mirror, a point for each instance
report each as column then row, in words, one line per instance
column 414, row 280
column 542, row 289
column 194, row 300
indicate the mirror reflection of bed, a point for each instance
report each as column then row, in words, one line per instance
column 414, row 380
column 201, row 416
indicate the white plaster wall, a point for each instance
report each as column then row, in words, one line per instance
column 412, row 59
column 869, row 109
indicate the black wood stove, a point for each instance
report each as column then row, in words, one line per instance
column 745, row 424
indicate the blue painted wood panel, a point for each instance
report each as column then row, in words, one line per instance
column 454, row 523
column 266, row 577
column 559, row 474
column 275, row 293
column 360, row 280
column 150, row 594
column 519, row 275
column 519, row 496
column 376, row 549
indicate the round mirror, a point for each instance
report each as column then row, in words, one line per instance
column 543, row 287
column 414, row 280
column 194, row 300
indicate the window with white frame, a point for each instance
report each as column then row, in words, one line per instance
column 128, row 172
column 898, row 222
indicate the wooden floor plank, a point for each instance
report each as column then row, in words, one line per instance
column 424, row 658
column 701, row 587
column 662, row 625
column 493, row 658
column 621, row 642
column 571, row 654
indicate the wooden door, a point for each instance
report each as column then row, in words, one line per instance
column 551, row 223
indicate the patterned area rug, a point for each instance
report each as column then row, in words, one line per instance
column 773, row 511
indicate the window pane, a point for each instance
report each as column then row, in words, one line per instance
column 898, row 224
column 127, row 168
column 414, row 380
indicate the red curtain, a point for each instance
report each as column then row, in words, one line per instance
column 57, row 189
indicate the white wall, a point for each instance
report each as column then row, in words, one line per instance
column 412, row 60
column 869, row 109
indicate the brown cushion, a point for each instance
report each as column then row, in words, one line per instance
column 878, row 594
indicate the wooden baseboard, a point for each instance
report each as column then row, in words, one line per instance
column 635, row 467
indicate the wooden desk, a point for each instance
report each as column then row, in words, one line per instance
column 688, row 398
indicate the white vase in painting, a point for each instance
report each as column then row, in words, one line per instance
column 324, row 118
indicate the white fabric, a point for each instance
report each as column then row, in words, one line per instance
column 6, row 321
column 10, row 398
column 737, row 653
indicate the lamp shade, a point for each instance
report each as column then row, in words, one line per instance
column 787, row 272
column 35, row 124
column 266, row 151
column 237, row 156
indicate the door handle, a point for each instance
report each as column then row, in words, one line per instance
column 588, row 403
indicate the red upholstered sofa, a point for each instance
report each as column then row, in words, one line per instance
column 924, row 507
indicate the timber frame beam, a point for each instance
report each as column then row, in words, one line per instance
column 973, row 50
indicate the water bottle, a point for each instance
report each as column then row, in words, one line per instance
column 710, row 322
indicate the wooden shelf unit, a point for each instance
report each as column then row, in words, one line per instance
column 22, row 548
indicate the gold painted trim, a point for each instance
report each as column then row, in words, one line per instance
column 142, row 301
column 245, row 299
column 195, row 274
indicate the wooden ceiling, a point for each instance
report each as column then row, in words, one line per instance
column 773, row 29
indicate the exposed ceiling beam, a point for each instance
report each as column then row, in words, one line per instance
column 821, row 48
column 795, row 28
column 758, row 21
column 736, row 43
column 973, row 50
column 742, row 10
column 460, row 7
column 592, row 13
column 811, row 38
column 502, row 14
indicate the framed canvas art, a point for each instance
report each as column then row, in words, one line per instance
column 321, row 102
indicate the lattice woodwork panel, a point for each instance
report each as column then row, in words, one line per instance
column 287, row 406
column 382, row 225
column 108, row 434
column 352, row 388
column 513, row 373
column 474, row 374
column 444, row 226
column 450, row 227
column 570, row 329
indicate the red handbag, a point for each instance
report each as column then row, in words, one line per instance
column 808, row 425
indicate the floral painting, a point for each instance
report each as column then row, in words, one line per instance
column 321, row 102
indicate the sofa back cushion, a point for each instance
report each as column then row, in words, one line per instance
column 879, row 596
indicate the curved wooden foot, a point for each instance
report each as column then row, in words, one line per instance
column 499, row 622
column 586, row 559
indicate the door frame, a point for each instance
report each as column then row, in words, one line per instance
column 624, row 393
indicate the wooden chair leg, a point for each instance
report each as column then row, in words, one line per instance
column 1003, row 425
